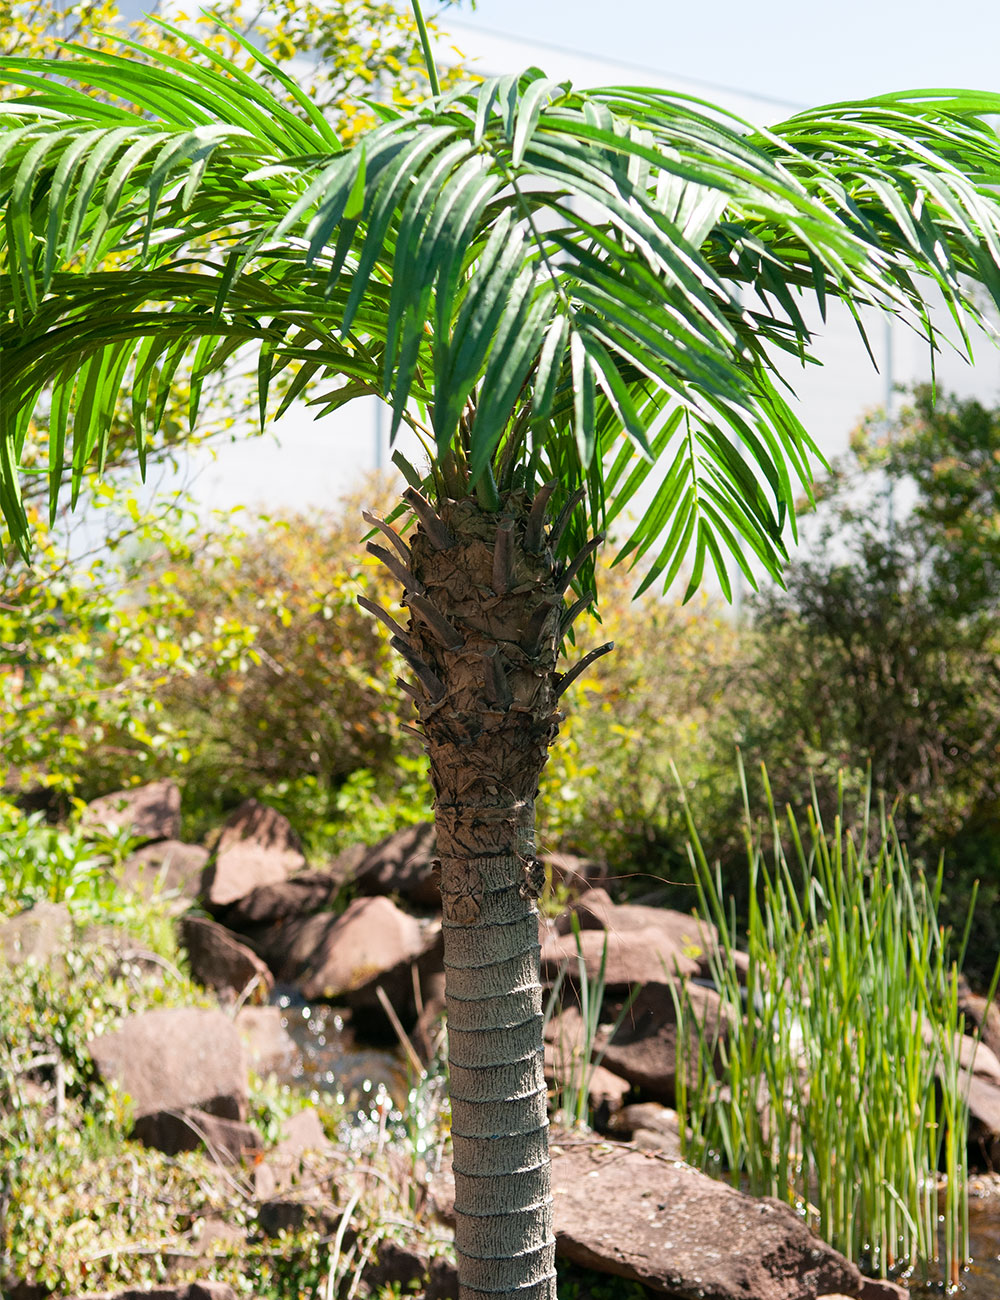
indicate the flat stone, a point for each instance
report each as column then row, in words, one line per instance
column 166, row 867
column 149, row 812
column 342, row 958
column 228, row 1141
column 174, row 1058
column 639, row 1215
column 634, row 957
column 40, row 933
column 269, row 1046
column 401, row 864
column 980, row 1015
column 299, row 895
column 644, row 1047
column 257, row 847
column 984, row 1118
column 219, row 961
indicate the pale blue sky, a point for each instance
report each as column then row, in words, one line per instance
column 805, row 51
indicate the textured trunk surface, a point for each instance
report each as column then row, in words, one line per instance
column 485, row 601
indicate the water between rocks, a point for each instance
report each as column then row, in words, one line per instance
column 330, row 1060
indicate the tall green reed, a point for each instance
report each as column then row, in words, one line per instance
column 840, row 1090
column 576, row 1059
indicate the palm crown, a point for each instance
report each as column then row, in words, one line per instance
column 548, row 285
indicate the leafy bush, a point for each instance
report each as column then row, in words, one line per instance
column 316, row 699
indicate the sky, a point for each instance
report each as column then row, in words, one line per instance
column 807, row 52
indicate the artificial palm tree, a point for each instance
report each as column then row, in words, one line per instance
column 568, row 297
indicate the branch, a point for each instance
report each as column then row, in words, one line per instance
column 400, row 571
column 566, row 680
column 578, row 563
column 428, row 679
column 536, row 519
column 563, row 518
column 433, row 525
column 445, row 631
column 383, row 616
column 390, row 533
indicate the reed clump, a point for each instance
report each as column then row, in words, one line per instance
column 839, row 1090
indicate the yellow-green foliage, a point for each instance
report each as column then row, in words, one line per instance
column 353, row 49
column 607, row 788
column 239, row 653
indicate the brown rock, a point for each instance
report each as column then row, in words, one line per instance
column 269, row 1046
column 442, row 1281
column 634, row 957
column 175, row 1058
column 149, row 812
column 984, row 1118
column 257, row 847
column 877, row 1288
column 980, row 1015
column 219, row 961
column 401, row 864
column 344, row 957
column 40, row 933
column 166, row 867
column 574, row 873
column 398, row 1265
column 302, row 1139
column 299, row 895
column 639, row 1215
column 227, row 1140
column 644, row 1047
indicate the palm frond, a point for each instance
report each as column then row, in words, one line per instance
column 592, row 286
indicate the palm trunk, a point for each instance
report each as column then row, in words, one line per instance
column 485, row 596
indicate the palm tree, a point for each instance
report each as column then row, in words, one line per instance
column 569, row 297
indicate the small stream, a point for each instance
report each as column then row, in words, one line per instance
column 332, row 1061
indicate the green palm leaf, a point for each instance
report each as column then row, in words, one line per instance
column 560, row 278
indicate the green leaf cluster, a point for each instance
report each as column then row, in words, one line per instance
column 598, row 288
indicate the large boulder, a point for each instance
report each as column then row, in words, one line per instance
column 343, row 958
column 402, row 864
column 640, row 1215
column 644, row 1048
column 173, row 1058
column 257, row 847
column 219, row 961
column 41, row 933
column 267, row 905
column 165, row 867
column 148, row 812
column 634, row 957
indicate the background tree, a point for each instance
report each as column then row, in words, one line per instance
column 567, row 296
